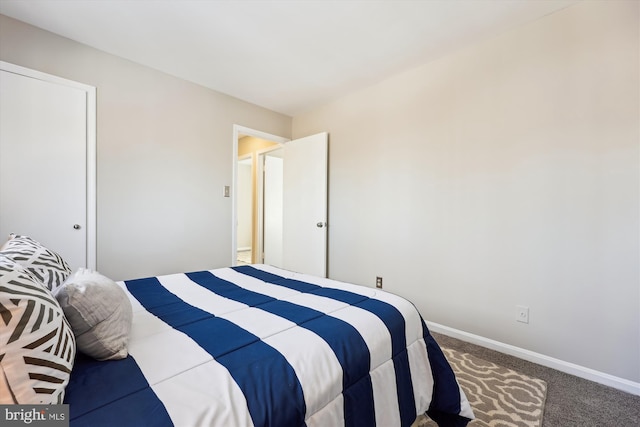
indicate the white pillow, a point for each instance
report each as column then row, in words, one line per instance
column 99, row 313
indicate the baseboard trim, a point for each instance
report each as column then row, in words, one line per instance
column 531, row 356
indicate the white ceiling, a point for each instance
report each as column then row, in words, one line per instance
column 285, row 55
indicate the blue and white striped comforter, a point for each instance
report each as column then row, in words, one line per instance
column 261, row 346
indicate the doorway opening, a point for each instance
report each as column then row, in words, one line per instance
column 251, row 149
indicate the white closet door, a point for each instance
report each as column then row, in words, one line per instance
column 43, row 164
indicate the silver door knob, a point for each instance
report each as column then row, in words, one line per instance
column 76, row 226
column 320, row 224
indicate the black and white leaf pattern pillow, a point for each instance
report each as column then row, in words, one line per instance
column 46, row 265
column 37, row 345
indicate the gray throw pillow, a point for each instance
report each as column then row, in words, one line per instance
column 99, row 313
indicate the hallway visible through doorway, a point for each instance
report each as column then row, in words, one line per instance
column 244, row 257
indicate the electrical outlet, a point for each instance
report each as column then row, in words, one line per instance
column 522, row 313
column 379, row 282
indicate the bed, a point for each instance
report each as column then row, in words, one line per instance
column 260, row 346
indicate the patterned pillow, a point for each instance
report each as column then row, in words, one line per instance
column 37, row 346
column 46, row 265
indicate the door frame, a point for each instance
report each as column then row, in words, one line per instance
column 90, row 91
column 237, row 131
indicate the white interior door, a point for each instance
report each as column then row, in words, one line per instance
column 305, row 205
column 273, row 208
column 44, row 179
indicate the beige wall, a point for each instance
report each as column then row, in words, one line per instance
column 164, row 153
column 504, row 174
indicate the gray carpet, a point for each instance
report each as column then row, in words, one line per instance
column 571, row 401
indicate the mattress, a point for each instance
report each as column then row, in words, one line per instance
column 261, row 346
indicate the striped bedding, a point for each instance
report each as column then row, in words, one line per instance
column 260, row 346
